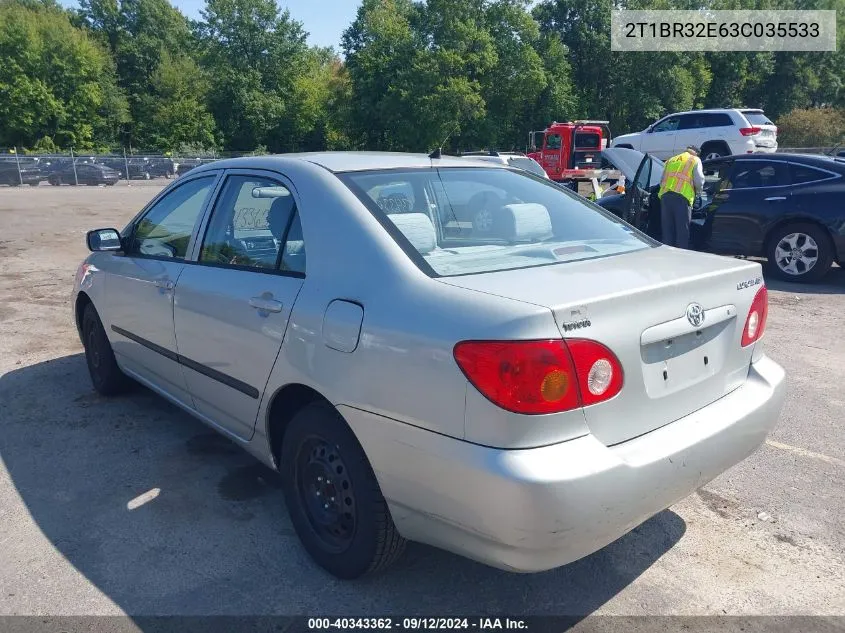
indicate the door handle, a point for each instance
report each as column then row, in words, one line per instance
column 775, row 199
column 266, row 305
column 164, row 284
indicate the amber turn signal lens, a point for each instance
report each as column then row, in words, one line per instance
column 554, row 386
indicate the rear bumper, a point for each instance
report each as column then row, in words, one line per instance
column 537, row 509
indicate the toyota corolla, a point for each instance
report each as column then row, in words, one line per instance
column 522, row 395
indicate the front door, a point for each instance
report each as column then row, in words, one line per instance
column 144, row 277
column 234, row 301
column 748, row 195
column 637, row 197
column 551, row 155
column 659, row 140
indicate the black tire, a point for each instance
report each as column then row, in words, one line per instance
column 106, row 376
column 352, row 534
column 811, row 240
column 55, row 180
column 713, row 150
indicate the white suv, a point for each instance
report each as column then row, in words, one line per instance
column 716, row 132
column 513, row 159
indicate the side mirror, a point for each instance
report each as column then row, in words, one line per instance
column 103, row 240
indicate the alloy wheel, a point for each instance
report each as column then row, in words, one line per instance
column 796, row 254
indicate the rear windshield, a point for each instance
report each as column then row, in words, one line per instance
column 755, row 117
column 523, row 162
column 458, row 221
column 587, row 140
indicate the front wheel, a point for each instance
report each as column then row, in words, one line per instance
column 106, row 376
column 333, row 498
column 799, row 252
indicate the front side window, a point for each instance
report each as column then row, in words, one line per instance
column 476, row 220
column 249, row 224
column 165, row 230
column 553, row 141
column 748, row 174
column 667, row 125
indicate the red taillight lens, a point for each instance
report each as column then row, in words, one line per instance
column 755, row 324
column 534, row 377
column 749, row 131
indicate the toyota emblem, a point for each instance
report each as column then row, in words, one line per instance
column 695, row 314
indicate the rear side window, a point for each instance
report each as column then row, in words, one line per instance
column 802, row 174
column 250, row 223
column 704, row 120
column 479, row 220
column 755, row 117
column 589, row 140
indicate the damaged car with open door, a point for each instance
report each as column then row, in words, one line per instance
column 784, row 207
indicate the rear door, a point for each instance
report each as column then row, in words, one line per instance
column 750, row 195
column 233, row 301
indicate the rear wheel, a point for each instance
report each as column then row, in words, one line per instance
column 102, row 366
column 55, row 180
column 799, row 252
column 709, row 151
column 333, row 498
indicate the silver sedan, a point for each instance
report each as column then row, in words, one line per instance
column 522, row 391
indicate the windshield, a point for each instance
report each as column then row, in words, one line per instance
column 755, row 117
column 460, row 221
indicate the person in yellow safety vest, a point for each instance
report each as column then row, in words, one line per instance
column 683, row 178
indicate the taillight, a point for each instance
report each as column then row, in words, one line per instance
column 749, row 131
column 534, row 377
column 755, row 324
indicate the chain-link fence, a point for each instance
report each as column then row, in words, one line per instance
column 83, row 168
column 73, row 168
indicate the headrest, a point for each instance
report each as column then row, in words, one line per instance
column 419, row 230
column 526, row 221
column 279, row 214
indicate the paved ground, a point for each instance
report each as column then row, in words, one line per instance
column 217, row 539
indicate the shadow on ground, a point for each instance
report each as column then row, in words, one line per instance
column 217, row 539
column 833, row 283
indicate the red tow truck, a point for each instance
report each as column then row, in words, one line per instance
column 571, row 152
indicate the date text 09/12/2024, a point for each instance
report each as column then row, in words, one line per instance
column 417, row 624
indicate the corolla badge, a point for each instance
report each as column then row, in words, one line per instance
column 695, row 314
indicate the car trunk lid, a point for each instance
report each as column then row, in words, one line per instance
column 673, row 319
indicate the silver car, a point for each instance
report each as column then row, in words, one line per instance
column 522, row 396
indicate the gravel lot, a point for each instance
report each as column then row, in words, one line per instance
column 765, row 538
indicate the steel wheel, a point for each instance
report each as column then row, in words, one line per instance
column 796, row 254
column 326, row 493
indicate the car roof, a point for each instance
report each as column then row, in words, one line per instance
column 348, row 161
column 806, row 159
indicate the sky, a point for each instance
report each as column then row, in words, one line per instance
column 324, row 20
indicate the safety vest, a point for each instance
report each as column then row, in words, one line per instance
column 677, row 176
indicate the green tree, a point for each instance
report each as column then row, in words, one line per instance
column 55, row 81
column 175, row 109
column 139, row 34
column 255, row 55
